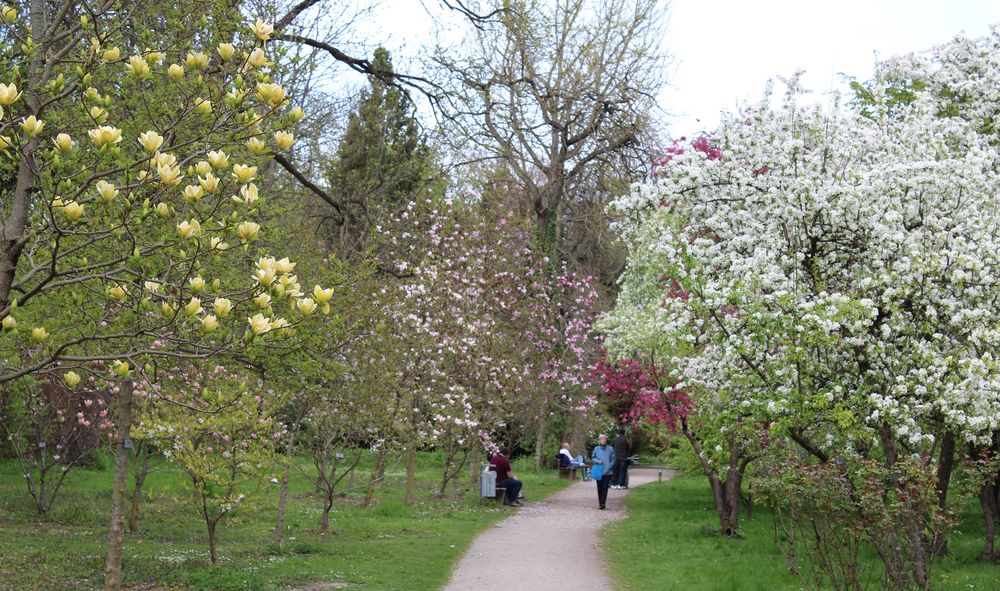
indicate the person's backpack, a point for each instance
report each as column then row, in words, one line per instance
column 563, row 460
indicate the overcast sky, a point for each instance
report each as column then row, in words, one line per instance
column 724, row 51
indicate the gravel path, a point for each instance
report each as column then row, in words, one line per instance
column 547, row 545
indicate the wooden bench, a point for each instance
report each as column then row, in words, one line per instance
column 567, row 473
column 501, row 496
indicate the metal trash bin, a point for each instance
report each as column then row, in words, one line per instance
column 487, row 481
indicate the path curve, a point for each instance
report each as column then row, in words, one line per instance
column 547, row 545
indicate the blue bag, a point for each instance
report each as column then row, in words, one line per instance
column 597, row 471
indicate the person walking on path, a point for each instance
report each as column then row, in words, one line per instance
column 604, row 456
column 622, row 452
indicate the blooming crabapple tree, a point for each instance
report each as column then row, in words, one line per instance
column 959, row 77
column 223, row 436
column 829, row 278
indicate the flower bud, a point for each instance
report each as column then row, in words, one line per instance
column 71, row 378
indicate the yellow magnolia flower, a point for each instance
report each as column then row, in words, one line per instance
column 71, row 378
column 193, row 193
column 258, row 59
column 137, row 66
column 162, row 209
column 283, row 139
column 307, row 306
column 193, row 307
column 8, row 14
column 297, row 114
column 282, row 325
column 255, row 146
column 189, row 229
column 222, row 307
column 9, row 322
column 323, row 296
column 196, row 60
column 249, row 193
column 226, row 51
column 262, row 301
column 271, row 93
column 121, row 368
column 202, row 168
column 244, row 174
column 105, row 135
column 247, row 231
column 98, row 114
column 217, row 244
column 150, row 141
column 151, row 286
column 39, row 334
column 167, row 309
column 62, row 141
column 218, row 159
column 175, row 72
column 4, row 142
column 169, row 175
column 284, row 266
column 8, row 94
column 264, row 276
column 262, row 30
column 163, row 159
column 118, row 292
column 73, row 210
column 197, row 283
column 32, row 126
column 209, row 323
column 112, row 54
column 209, row 183
column 259, row 324
column 106, row 190
column 203, row 106
column 153, row 57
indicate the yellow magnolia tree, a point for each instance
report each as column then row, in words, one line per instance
column 131, row 137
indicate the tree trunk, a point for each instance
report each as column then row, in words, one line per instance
column 945, row 466
column 324, row 524
column 324, row 460
column 989, row 501
column 540, row 443
column 411, row 473
column 377, row 469
column 212, row 548
column 729, row 514
column 12, row 232
column 279, row 523
column 726, row 494
column 138, row 480
column 116, row 529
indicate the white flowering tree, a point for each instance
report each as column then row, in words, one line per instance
column 830, row 277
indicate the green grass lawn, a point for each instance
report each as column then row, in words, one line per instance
column 391, row 546
column 669, row 541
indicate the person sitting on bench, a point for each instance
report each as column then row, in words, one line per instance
column 566, row 460
column 505, row 477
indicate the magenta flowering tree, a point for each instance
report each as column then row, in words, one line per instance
column 501, row 343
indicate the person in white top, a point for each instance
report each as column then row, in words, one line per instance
column 574, row 462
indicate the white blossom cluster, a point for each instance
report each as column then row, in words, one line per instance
column 832, row 269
